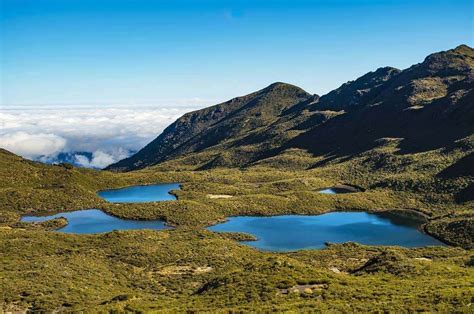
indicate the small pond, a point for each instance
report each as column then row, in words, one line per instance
column 339, row 190
column 295, row 232
column 96, row 221
column 331, row 191
column 141, row 193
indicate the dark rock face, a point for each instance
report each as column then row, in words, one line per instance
column 427, row 106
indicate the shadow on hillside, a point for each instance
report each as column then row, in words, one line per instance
column 359, row 130
column 465, row 195
column 463, row 167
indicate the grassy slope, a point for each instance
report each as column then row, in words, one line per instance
column 146, row 270
column 191, row 268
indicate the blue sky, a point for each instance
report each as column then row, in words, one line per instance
column 176, row 53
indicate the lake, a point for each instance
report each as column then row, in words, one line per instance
column 141, row 193
column 295, row 232
column 96, row 221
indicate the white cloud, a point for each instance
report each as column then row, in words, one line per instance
column 107, row 134
column 32, row 145
column 99, row 159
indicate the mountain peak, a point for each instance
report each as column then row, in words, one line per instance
column 281, row 86
column 217, row 124
column 464, row 49
column 453, row 62
column 276, row 84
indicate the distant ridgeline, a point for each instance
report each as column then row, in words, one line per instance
column 426, row 107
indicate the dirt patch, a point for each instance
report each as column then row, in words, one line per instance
column 336, row 270
column 305, row 289
column 214, row 196
column 423, row 259
column 182, row 270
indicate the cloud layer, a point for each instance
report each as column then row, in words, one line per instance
column 94, row 137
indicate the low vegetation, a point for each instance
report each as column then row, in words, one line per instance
column 191, row 268
column 200, row 270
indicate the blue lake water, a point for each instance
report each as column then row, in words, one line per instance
column 141, row 193
column 328, row 191
column 96, row 221
column 335, row 191
column 293, row 232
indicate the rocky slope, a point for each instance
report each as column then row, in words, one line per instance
column 425, row 107
column 198, row 130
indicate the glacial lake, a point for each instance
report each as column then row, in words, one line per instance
column 141, row 193
column 295, row 232
column 96, row 221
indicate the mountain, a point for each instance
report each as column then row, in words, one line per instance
column 198, row 130
column 425, row 107
column 428, row 106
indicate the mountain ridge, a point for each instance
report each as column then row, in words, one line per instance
column 428, row 105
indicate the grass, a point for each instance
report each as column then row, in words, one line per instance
column 259, row 190
column 200, row 270
column 192, row 268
